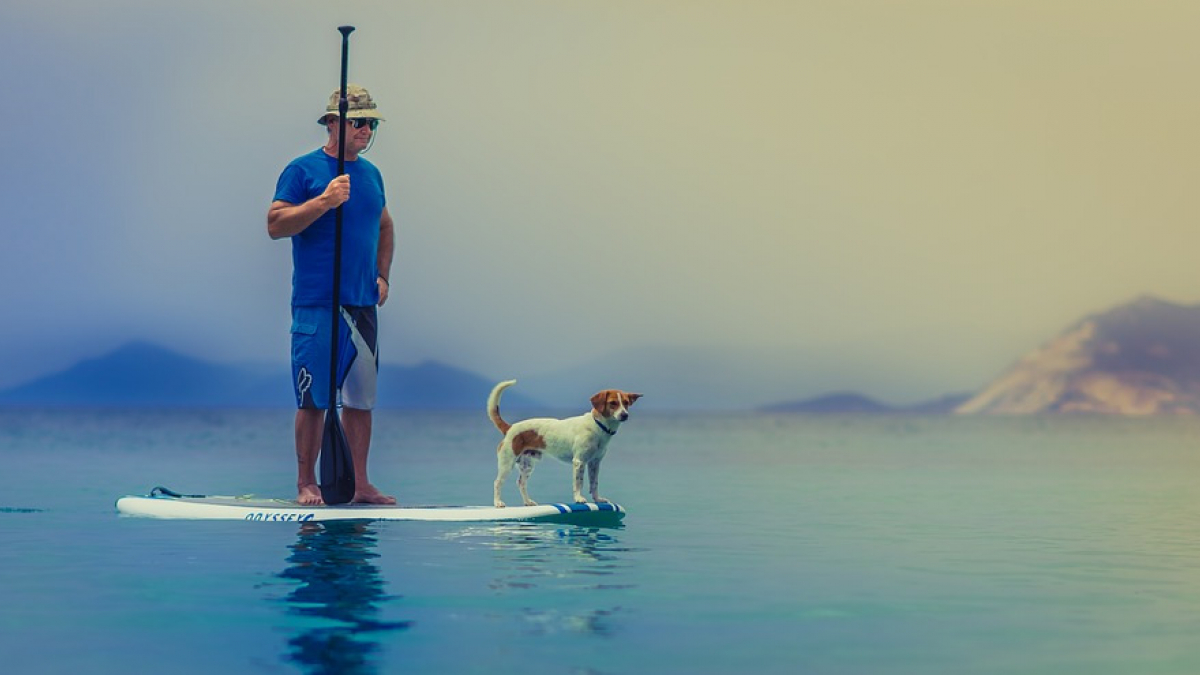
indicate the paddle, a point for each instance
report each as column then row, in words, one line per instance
column 337, row 464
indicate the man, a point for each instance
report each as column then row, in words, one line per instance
column 307, row 196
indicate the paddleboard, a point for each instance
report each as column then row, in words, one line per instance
column 162, row 503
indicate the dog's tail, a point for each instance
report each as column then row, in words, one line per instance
column 493, row 406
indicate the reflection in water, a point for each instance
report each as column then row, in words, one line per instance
column 341, row 586
column 532, row 559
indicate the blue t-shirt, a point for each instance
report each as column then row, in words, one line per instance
column 312, row 250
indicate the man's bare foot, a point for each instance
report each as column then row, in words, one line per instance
column 310, row 495
column 368, row 494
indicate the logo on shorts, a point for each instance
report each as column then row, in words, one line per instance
column 303, row 382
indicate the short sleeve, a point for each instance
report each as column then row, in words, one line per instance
column 291, row 186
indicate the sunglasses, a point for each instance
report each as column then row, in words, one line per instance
column 361, row 122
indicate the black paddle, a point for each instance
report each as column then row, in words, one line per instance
column 337, row 464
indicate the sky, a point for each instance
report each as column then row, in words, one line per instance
column 718, row 202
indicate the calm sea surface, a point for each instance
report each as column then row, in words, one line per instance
column 753, row 544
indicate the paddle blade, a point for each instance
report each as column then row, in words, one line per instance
column 337, row 466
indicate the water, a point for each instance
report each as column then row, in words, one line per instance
column 753, row 544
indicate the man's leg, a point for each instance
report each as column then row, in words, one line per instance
column 309, row 427
column 310, row 368
column 357, row 424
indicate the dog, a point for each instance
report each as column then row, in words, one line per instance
column 580, row 440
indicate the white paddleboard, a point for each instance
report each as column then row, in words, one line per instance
column 159, row 504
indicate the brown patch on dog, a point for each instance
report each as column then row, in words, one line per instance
column 528, row 441
column 601, row 400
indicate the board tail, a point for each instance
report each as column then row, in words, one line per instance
column 493, row 406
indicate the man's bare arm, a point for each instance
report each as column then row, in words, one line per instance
column 286, row 220
column 387, row 246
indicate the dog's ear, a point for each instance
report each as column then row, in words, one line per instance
column 632, row 397
column 599, row 399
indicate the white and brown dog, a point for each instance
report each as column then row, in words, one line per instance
column 581, row 440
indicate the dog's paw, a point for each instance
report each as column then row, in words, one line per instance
column 600, row 500
column 530, row 502
column 499, row 504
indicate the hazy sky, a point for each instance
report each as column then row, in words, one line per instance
column 780, row 197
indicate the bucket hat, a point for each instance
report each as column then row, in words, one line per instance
column 358, row 104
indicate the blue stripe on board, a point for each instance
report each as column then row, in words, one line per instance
column 577, row 508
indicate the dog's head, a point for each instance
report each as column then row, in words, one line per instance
column 613, row 404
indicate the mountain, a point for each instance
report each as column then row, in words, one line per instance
column 850, row 402
column 842, row 402
column 140, row 374
column 682, row 377
column 435, row 386
column 1140, row 358
column 137, row 374
column 943, row 405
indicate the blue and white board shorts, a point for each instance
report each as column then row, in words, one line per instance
column 358, row 356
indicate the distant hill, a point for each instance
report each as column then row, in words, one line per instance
column 939, row 406
column 436, row 386
column 145, row 375
column 139, row 374
column 842, row 402
column 850, row 402
column 1141, row 358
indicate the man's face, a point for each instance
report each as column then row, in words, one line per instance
column 357, row 139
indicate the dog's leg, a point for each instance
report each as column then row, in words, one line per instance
column 594, row 480
column 526, row 462
column 578, row 467
column 504, row 465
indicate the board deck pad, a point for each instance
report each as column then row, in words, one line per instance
column 205, row 507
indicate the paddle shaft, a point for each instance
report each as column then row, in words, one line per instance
column 337, row 235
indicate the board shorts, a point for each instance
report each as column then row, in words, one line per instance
column 358, row 356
